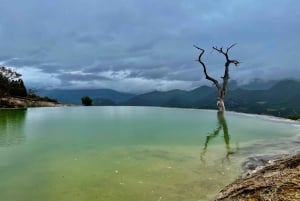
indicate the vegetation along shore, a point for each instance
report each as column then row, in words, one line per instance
column 13, row 93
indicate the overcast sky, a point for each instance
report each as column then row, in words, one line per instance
column 141, row 45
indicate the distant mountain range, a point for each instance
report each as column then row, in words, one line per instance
column 99, row 96
column 281, row 99
column 278, row 98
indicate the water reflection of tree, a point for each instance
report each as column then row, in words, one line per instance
column 222, row 125
column 11, row 126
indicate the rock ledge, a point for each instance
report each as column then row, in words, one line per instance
column 278, row 180
column 14, row 102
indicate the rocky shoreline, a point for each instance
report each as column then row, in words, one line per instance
column 14, row 102
column 277, row 179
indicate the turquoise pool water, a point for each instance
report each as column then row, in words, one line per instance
column 130, row 153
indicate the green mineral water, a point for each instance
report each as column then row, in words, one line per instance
column 131, row 153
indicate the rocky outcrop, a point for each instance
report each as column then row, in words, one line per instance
column 24, row 103
column 277, row 180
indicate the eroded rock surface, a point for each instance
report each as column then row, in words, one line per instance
column 278, row 180
column 13, row 102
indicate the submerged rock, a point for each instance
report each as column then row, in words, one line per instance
column 277, row 180
column 253, row 163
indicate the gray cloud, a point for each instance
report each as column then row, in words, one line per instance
column 16, row 62
column 67, row 77
column 147, row 40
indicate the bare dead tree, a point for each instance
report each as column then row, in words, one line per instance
column 222, row 88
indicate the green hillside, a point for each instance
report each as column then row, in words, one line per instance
column 281, row 99
column 98, row 95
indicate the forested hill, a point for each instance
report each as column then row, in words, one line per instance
column 99, row 96
column 278, row 98
column 281, row 99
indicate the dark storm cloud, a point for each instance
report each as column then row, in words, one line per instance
column 51, row 68
column 22, row 62
column 81, row 77
column 3, row 58
column 89, row 40
column 147, row 42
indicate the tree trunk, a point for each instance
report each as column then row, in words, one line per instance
column 220, row 104
column 220, row 100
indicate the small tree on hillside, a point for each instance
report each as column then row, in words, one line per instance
column 86, row 101
column 222, row 88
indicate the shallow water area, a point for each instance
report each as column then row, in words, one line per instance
column 130, row 153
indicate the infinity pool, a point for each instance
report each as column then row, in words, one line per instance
column 131, row 153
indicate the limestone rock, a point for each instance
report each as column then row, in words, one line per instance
column 277, row 180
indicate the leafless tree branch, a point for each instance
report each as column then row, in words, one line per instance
column 230, row 47
column 227, row 64
column 228, row 61
column 222, row 89
column 216, row 83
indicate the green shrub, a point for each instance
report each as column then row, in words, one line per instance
column 86, row 101
column 294, row 117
